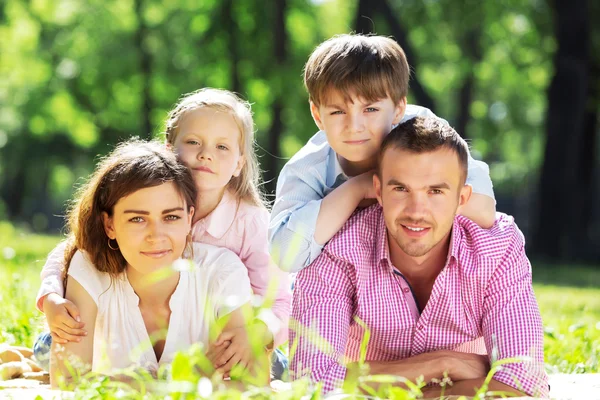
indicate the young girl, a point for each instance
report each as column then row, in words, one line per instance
column 211, row 130
column 131, row 220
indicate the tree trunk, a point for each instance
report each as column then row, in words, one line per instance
column 562, row 225
column 366, row 11
column 232, row 44
column 472, row 52
column 276, row 130
column 145, row 70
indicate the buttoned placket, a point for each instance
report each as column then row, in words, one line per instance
column 419, row 340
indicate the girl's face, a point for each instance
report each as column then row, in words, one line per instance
column 208, row 143
column 150, row 227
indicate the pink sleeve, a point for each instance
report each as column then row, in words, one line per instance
column 322, row 312
column 266, row 279
column 52, row 274
column 512, row 325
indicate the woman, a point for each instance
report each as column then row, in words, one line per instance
column 128, row 225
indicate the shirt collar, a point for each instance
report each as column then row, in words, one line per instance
column 456, row 236
column 334, row 169
column 218, row 222
column 382, row 249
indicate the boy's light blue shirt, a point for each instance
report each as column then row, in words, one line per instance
column 310, row 175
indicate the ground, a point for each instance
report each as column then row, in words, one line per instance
column 568, row 296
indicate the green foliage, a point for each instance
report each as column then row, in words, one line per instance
column 571, row 321
column 74, row 80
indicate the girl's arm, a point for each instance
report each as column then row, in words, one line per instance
column 52, row 275
column 75, row 356
column 266, row 279
column 62, row 315
column 235, row 348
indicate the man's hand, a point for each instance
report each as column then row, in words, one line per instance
column 63, row 319
column 466, row 366
column 239, row 351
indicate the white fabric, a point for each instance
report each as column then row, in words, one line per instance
column 216, row 284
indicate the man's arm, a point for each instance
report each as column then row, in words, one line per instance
column 458, row 366
column 511, row 323
column 322, row 310
column 469, row 387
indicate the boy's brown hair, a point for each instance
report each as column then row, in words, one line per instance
column 371, row 67
column 424, row 135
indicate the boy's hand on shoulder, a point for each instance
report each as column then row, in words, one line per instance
column 364, row 184
column 63, row 319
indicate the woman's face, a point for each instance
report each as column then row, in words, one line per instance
column 150, row 227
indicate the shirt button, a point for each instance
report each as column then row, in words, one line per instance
column 420, row 327
column 406, row 290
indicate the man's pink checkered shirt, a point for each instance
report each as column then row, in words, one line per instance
column 482, row 302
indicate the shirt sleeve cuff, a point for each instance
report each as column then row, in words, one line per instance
column 478, row 177
column 49, row 285
column 531, row 382
column 303, row 223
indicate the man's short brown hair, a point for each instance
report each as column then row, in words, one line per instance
column 371, row 67
column 424, row 135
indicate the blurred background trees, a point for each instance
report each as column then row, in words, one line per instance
column 518, row 78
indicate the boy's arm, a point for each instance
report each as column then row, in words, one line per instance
column 303, row 218
column 338, row 206
column 481, row 207
column 52, row 275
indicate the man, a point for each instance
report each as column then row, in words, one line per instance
column 435, row 291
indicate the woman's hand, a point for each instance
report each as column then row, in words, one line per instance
column 63, row 319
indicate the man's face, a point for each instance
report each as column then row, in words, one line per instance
column 420, row 195
column 356, row 129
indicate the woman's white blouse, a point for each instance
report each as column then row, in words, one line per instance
column 212, row 286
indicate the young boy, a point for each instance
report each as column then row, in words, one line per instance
column 357, row 88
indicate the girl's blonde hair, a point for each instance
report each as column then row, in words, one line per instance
column 246, row 185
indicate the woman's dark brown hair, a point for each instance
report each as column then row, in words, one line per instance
column 131, row 166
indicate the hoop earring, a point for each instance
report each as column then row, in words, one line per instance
column 112, row 248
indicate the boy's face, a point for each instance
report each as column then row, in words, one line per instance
column 356, row 129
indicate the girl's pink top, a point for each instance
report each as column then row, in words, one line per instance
column 237, row 226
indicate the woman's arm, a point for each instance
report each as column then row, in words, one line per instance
column 75, row 356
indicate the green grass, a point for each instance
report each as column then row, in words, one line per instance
column 569, row 299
